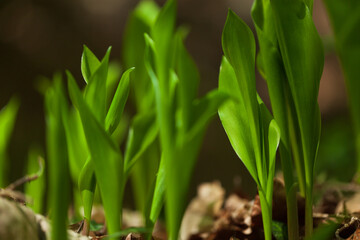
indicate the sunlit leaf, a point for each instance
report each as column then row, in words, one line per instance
column 95, row 91
column 89, row 64
column 118, row 103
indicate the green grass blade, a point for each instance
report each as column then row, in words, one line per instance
column 106, row 157
column 7, row 121
column 89, row 64
column 36, row 189
column 57, row 161
column 118, row 103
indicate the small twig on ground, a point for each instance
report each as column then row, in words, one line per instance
column 28, row 178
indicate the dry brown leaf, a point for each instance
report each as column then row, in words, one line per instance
column 200, row 213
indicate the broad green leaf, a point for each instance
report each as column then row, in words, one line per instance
column 57, row 160
column 234, row 118
column 95, row 91
column 106, row 158
column 142, row 133
column 35, row 189
column 303, row 57
column 7, row 121
column 89, row 64
column 118, row 103
column 239, row 48
column 270, row 65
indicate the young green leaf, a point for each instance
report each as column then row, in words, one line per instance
column 118, row 103
column 234, row 118
column 106, row 158
column 253, row 133
column 89, row 64
column 239, row 48
column 95, row 91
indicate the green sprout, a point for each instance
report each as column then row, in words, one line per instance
column 183, row 117
column 250, row 127
column 345, row 20
column 105, row 165
column 285, row 28
column 7, row 121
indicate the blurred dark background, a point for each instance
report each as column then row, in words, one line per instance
column 39, row 37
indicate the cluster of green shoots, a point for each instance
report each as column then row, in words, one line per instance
column 85, row 136
column 291, row 60
column 84, row 140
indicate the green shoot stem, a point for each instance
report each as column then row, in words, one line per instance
column 292, row 213
column 266, row 215
column 308, row 211
column 291, row 203
column 296, row 152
